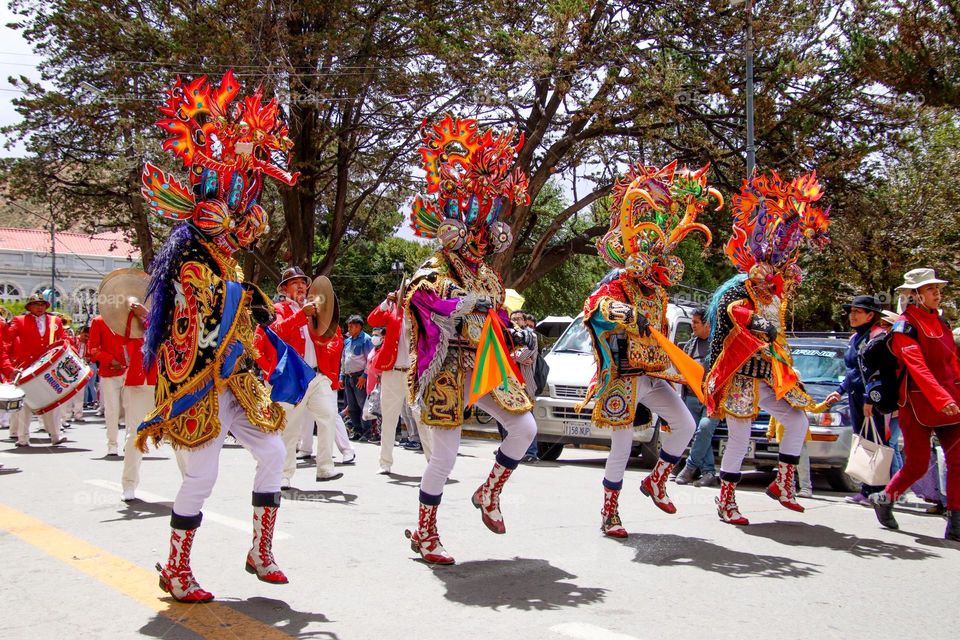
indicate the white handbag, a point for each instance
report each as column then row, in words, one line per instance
column 869, row 461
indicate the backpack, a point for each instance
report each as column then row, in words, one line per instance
column 881, row 373
column 540, row 372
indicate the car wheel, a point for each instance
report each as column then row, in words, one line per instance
column 549, row 451
column 840, row 481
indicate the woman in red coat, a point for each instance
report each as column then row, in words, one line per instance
column 929, row 395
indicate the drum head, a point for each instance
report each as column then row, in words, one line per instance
column 117, row 290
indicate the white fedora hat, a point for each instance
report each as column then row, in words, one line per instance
column 916, row 278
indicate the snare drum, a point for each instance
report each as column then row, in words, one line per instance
column 54, row 378
column 11, row 398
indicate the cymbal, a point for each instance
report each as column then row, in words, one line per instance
column 117, row 291
column 325, row 320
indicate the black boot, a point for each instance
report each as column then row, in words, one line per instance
column 883, row 507
column 953, row 526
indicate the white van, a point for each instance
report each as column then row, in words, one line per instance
column 571, row 369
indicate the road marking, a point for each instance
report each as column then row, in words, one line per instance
column 208, row 516
column 213, row 621
column 585, row 631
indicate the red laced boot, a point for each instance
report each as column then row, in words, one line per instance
column 611, row 524
column 654, row 486
column 727, row 507
column 487, row 498
column 260, row 557
column 426, row 540
column 176, row 578
column 782, row 489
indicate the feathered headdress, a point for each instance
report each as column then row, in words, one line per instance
column 228, row 147
column 773, row 218
column 470, row 185
column 653, row 210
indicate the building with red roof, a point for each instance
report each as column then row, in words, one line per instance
column 82, row 260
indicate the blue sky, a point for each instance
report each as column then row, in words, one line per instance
column 16, row 59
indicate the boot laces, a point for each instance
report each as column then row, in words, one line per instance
column 267, row 522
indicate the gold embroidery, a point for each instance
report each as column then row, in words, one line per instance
column 255, row 401
column 443, row 401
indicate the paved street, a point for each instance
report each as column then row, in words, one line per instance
column 79, row 563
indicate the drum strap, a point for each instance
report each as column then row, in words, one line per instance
column 50, row 331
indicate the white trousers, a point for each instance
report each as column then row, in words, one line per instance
column 111, row 391
column 74, row 408
column 659, row 397
column 795, row 425
column 20, row 424
column 521, row 430
column 137, row 404
column 202, row 464
column 393, row 393
column 338, row 433
column 314, row 407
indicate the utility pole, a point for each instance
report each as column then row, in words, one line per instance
column 748, row 54
column 53, row 263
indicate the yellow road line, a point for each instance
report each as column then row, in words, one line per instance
column 213, row 621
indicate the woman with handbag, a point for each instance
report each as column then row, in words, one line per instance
column 929, row 395
column 864, row 314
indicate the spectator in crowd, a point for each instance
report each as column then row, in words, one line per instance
column 864, row 313
column 356, row 347
column 700, row 462
column 373, row 378
column 930, row 393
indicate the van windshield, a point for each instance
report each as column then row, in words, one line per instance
column 575, row 339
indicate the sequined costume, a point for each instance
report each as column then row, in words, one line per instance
column 653, row 210
column 750, row 366
column 200, row 328
column 455, row 303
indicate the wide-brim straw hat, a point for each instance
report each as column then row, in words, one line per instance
column 917, row 278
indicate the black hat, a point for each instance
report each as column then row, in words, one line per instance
column 292, row 273
column 867, row 303
column 355, row 319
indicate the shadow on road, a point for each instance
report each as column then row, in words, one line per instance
column 801, row 534
column 172, row 624
column 521, row 583
column 406, row 481
column 280, row 616
column 140, row 510
column 6, row 471
column 316, row 495
column 35, row 449
column 666, row 550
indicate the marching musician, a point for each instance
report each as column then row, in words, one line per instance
column 28, row 336
column 106, row 348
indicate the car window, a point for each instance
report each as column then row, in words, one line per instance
column 574, row 339
column 684, row 332
column 818, row 364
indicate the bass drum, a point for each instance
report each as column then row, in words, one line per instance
column 54, row 378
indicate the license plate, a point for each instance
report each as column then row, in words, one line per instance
column 576, row 429
column 751, row 448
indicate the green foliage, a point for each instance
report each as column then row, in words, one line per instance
column 364, row 273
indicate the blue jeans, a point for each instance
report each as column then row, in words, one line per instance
column 897, row 463
column 355, row 399
column 701, row 448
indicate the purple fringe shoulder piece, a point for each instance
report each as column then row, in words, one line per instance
column 161, row 291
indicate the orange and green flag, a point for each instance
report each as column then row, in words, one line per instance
column 493, row 364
